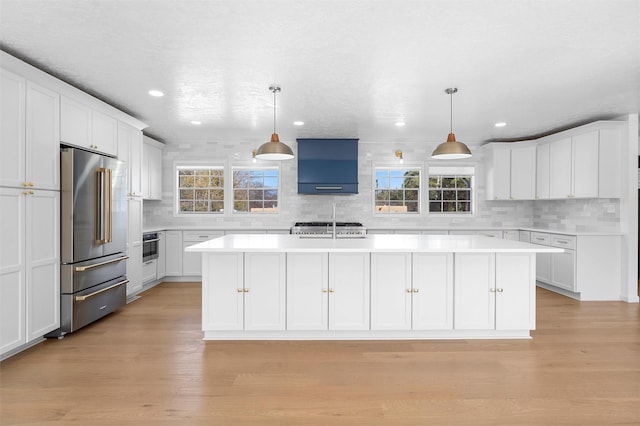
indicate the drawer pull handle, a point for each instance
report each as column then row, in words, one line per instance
column 85, row 297
column 95, row 265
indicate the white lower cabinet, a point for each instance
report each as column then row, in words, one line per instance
column 173, row 253
column 134, row 243
column 349, row 291
column 149, row 271
column 411, row 291
column 161, row 266
column 29, row 265
column 494, row 291
column 562, row 268
column 327, row 291
column 307, row 291
column 248, row 292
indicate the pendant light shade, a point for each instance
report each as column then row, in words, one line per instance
column 451, row 149
column 274, row 149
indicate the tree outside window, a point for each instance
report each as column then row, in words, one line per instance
column 255, row 190
column 200, row 190
column 397, row 190
column 450, row 193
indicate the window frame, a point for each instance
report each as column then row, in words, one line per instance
column 252, row 167
column 396, row 166
column 221, row 165
column 452, row 170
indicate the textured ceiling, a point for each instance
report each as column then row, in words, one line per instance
column 347, row 68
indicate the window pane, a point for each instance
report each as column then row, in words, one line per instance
column 464, row 182
column 194, row 193
column 449, row 195
column 448, row 182
column 412, row 206
column 382, row 183
column 396, row 183
column 464, row 207
column 255, row 180
column 464, row 195
column 411, row 195
column 186, row 194
column 435, row 207
column 382, row 194
column 435, row 182
column 448, row 206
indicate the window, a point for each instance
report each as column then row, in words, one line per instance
column 200, row 189
column 397, row 190
column 451, row 190
column 255, row 190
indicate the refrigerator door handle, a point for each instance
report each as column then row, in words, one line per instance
column 104, row 214
column 95, row 265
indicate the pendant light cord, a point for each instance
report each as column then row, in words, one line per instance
column 451, row 113
column 274, row 111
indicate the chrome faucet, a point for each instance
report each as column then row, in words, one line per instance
column 333, row 229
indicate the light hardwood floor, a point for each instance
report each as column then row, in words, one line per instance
column 146, row 364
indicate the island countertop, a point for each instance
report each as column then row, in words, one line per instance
column 371, row 243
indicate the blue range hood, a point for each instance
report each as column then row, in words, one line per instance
column 327, row 166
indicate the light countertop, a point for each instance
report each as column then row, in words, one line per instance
column 372, row 243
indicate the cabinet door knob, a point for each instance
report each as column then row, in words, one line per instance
column 240, row 290
column 324, row 290
column 31, row 184
column 24, row 184
column 416, row 290
column 499, row 290
column 492, row 290
column 30, row 192
column 24, row 192
column 408, row 290
column 246, row 290
column 331, row 290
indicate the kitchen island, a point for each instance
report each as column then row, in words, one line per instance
column 380, row 287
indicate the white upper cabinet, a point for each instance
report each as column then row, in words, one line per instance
column 130, row 150
column 511, row 171
column 81, row 126
column 560, row 169
column 152, row 169
column 585, row 165
column 29, row 133
column 542, row 171
column 523, row 172
column 498, row 174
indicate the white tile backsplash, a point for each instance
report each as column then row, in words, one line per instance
column 569, row 215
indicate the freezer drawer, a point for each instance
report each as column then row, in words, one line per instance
column 83, row 275
column 86, row 306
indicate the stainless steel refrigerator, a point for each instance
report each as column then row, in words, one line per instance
column 93, row 235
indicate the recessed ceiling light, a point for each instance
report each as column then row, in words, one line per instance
column 298, row 123
column 500, row 124
column 156, row 93
column 400, row 123
column 195, row 122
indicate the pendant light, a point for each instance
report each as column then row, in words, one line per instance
column 274, row 149
column 451, row 149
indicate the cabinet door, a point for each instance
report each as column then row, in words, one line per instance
column 499, row 174
column 542, row 171
column 12, row 269
column 42, row 263
column 12, row 129
column 104, row 133
column 149, row 271
column 563, row 270
column 145, row 185
column 134, row 240
column 42, row 138
column 560, row 169
column 307, row 291
column 523, row 173
column 432, row 300
column 130, row 150
column 161, row 267
column 515, row 291
column 543, row 267
column 349, row 291
column 155, row 173
column 191, row 261
column 174, row 253
column 610, row 158
column 75, row 123
column 222, row 291
column 391, row 291
column 474, row 300
column 264, row 291
column 585, row 165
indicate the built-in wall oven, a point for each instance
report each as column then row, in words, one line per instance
column 150, row 246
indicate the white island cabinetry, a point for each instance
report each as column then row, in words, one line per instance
column 381, row 287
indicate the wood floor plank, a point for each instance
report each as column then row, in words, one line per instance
column 147, row 364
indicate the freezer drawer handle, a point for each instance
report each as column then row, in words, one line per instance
column 81, row 298
column 95, row 265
